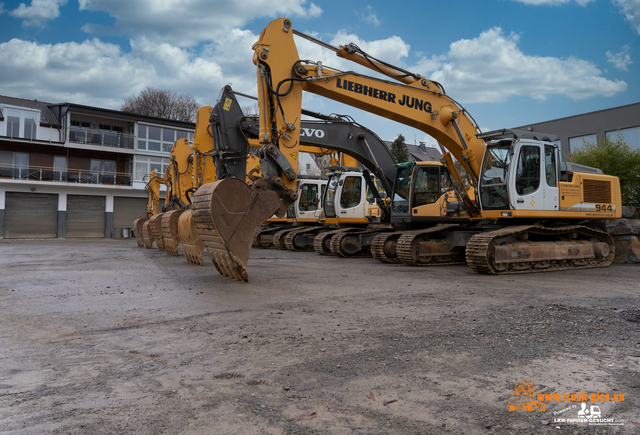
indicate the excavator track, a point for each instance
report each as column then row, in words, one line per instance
column 408, row 247
column 147, row 235
column 170, row 232
column 192, row 244
column 383, row 247
column 341, row 246
column 137, row 227
column 322, row 242
column 290, row 238
column 532, row 248
column 227, row 214
column 155, row 223
column 264, row 237
column 278, row 238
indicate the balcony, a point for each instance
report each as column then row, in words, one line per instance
column 101, row 137
column 16, row 172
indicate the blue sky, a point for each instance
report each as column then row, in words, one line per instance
column 508, row 62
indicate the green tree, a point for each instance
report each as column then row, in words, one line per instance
column 613, row 157
column 399, row 150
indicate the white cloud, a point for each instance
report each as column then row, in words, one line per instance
column 631, row 10
column 187, row 23
column 491, row 68
column 39, row 12
column 552, row 2
column 101, row 74
column 620, row 60
column 369, row 17
column 392, row 49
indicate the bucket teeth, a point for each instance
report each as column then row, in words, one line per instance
column 155, row 225
column 170, row 233
column 137, row 227
column 227, row 214
column 147, row 235
column 192, row 244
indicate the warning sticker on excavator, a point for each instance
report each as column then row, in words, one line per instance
column 227, row 104
column 294, row 155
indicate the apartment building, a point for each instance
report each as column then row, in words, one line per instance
column 73, row 171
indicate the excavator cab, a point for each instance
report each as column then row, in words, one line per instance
column 418, row 188
column 309, row 203
column 347, row 195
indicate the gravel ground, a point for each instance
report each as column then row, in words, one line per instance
column 100, row 336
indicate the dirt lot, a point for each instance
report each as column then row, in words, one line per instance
column 105, row 337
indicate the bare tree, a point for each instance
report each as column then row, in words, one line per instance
column 162, row 104
column 323, row 162
column 250, row 109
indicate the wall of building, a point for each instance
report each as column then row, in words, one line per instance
column 63, row 190
column 593, row 123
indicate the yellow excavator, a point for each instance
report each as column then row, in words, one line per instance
column 142, row 226
column 219, row 142
column 526, row 202
column 235, row 134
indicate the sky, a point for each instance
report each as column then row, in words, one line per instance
column 508, row 62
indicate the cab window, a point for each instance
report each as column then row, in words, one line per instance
column 493, row 179
column 308, row 197
column 427, row 186
column 351, row 192
column 528, row 173
column 550, row 166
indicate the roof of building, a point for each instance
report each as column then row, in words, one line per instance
column 625, row 107
column 420, row 153
column 135, row 116
column 423, row 153
column 47, row 117
column 48, row 112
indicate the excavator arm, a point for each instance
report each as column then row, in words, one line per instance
column 232, row 211
column 153, row 193
column 410, row 100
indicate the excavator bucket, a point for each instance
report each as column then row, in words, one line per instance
column 227, row 214
column 155, row 224
column 137, row 228
column 147, row 235
column 170, row 231
column 192, row 244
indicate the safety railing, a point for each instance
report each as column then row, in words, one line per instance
column 101, row 137
column 83, row 176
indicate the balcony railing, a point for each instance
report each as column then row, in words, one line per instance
column 83, row 176
column 101, row 137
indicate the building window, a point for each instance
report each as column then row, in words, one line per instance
column 21, row 124
column 13, row 123
column 59, row 168
column 21, row 165
column 159, row 139
column 576, row 142
column 30, row 120
column 144, row 165
column 631, row 136
column 102, row 171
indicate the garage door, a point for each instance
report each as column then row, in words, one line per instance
column 126, row 210
column 85, row 216
column 30, row 215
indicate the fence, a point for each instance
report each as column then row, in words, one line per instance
column 18, row 172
